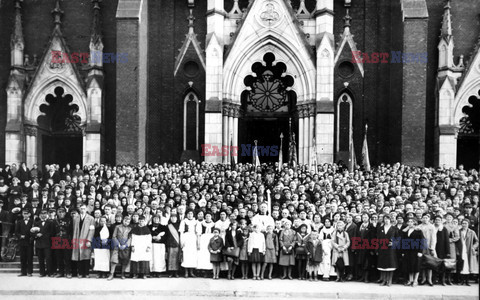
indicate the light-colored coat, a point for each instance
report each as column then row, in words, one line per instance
column 471, row 242
column 82, row 252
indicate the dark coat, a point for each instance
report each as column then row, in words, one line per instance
column 159, row 229
column 229, row 238
column 47, row 231
column 387, row 254
column 22, row 229
column 442, row 247
column 315, row 254
column 411, row 261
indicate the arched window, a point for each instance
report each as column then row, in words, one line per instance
column 344, row 122
column 190, row 121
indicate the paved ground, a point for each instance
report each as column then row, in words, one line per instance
column 13, row 287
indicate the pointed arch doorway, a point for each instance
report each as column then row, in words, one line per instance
column 60, row 130
column 268, row 109
column 468, row 141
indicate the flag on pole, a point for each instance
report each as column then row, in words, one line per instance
column 292, row 153
column 313, row 158
column 232, row 157
column 256, row 159
column 352, row 159
column 365, row 156
column 280, row 155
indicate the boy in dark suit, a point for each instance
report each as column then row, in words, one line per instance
column 25, row 243
column 43, row 243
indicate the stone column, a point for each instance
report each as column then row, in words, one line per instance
column 226, row 123
column 300, row 135
column 306, row 134
column 31, row 145
column 132, row 79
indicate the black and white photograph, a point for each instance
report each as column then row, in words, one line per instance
column 239, row 149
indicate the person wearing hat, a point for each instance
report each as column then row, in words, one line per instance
column 158, row 263
column 25, row 242
column 63, row 230
column 43, row 244
column 141, row 249
column 428, row 231
column 83, row 230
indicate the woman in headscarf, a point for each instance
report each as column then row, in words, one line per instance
column 159, row 237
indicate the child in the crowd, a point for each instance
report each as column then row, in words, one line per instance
column 301, row 251
column 215, row 247
column 256, row 251
column 271, row 245
column 315, row 253
column 243, row 250
column 121, row 239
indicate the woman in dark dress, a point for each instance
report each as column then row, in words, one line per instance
column 215, row 248
column 173, row 246
column 364, row 258
column 233, row 242
column 442, row 247
column 412, row 254
column 387, row 255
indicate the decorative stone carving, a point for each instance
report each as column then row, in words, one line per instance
column 30, row 130
column 270, row 16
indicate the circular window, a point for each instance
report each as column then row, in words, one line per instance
column 191, row 68
column 346, row 69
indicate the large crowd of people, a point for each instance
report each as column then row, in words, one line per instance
column 199, row 219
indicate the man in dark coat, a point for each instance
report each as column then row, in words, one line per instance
column 62, row 249
column 25, row 243
column 442, row 247
column 43, row 243
column 4, row 226
column 352, row 230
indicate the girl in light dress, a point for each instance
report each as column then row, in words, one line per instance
column 188, row 241
column 256, row 251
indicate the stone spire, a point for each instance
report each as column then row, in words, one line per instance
column 347, row 19
column 446, row 31
column 17, row 43
column 57, row 13
column 96, row 36
column 446, row 44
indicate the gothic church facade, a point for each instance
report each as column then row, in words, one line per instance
column 201, row 74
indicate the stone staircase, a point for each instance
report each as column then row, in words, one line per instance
column 14, row 266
